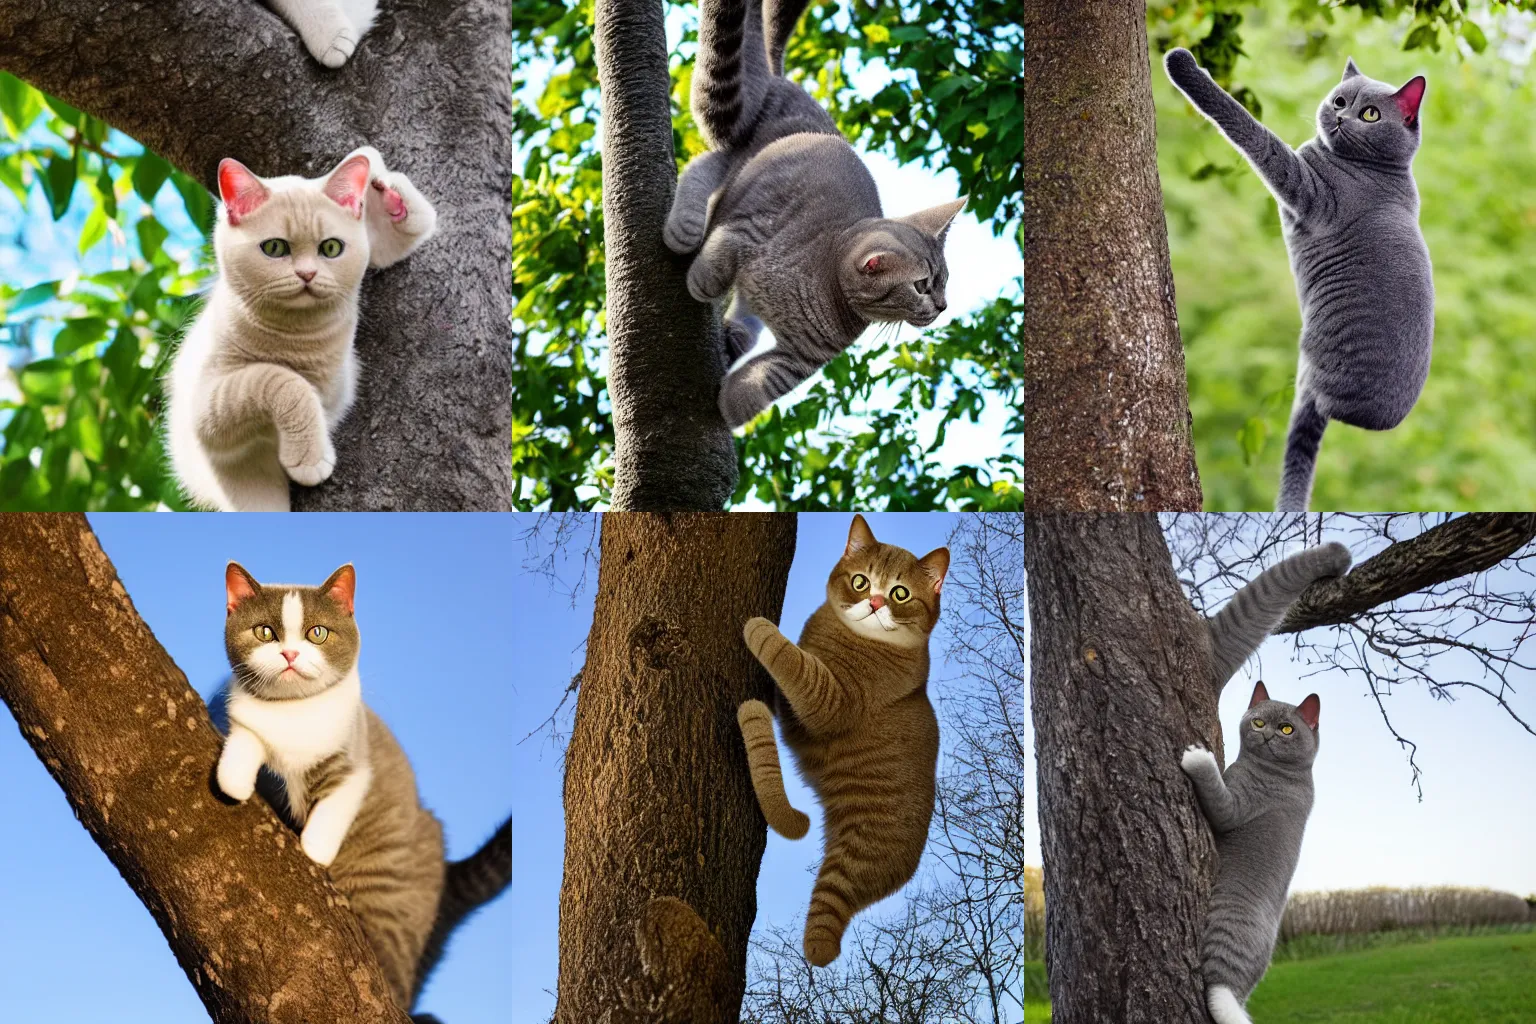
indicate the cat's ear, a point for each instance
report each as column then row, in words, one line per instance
column 341, row 585
column 860, row 536
column 1350, row 71
column 1309, row 709
column 1409, row 97
column 935, row 564
column 874, row 262
column 1260, row 695
column 348, row 183
column 241, row 191
column 935, row 220
column 238, row 587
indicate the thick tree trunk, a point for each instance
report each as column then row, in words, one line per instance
column 658, row 802
column 430, row 87
column 1106, row 405
column 1119, row 670
column 672, row 449
column 256, row 926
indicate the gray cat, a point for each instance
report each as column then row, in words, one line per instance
column 1258, row 811
column 783, row 214
column 1349, row 210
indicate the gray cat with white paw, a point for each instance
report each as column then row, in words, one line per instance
column 1349, row 210
column 784, row 215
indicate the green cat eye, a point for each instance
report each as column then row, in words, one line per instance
column 264, row 634
column 900, row 593
column 331, row 248
column 317, row 634
column 860, row 582
column 1370, row 114
column 1258, row 723
column 1287, row 729
column 275, row 247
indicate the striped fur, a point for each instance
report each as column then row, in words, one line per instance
column 756, row 722
column 1301, row 445
column 1254, row 612
column 852, row 701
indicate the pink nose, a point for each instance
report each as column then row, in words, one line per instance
column 876, row 601
column 291, row 656
column 307, row 275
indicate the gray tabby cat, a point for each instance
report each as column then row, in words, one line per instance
column 298, row 731
column 784, row 215
column 1258, row 812
column 1349, row 210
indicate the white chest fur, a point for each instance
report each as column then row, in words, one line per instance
column 298, row 734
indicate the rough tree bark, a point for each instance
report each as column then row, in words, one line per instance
column 430, row 87
column 1106, row 404
column 672, row 449
column 253, row 922
column 658, row 802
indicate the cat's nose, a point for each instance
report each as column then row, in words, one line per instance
column 877, row 601
column 940, row 305
column 306, row 275
column 291, row 657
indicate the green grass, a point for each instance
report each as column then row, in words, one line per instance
column 1037, row 1006
column 1472, row 980
column 1307, row 947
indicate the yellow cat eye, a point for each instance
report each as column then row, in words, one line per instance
column 331, row 248
column 1287, row 729
column 1258, row 723
column 264, row 634
column 317, row 634
column 900, row 593
column 1370, row 114
column 275, row 247
column 860, row 582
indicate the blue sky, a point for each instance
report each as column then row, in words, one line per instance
column 448, row 696
column 1474, row 826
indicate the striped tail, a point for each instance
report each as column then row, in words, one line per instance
column 756, row 723
column 781, row 17
column 1301, row 444
column 468, row 884
column 1255, row 611
column 730, row 76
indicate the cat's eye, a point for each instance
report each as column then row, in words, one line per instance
column 275, row 247
column 1258, row 723
column 317, row 634
column 264, row 634
column 1370, row 114
column 860, row 582
column 331, row 248
column 900, row 594
column 920, row 286
column 1338, row 101
column 1287, row 729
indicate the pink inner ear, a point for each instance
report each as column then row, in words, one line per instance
column 347, row 184
column 1309, row 709
column 872, row 265
column 1259, row 694
column 236, row 588
column 344, row 587
column 241, row 191
column 1409, row 97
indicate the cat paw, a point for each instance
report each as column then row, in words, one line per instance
column 702, row 282
column 235, row 785
column 321, row 845
column 313, row 467
column 683, row 234
column 336, row 50
column 756, row 630
column 1197, row 758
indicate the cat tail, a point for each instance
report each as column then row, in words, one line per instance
column 756, row 723
column 1302, row 440
column 730, row 77
column 781, row 17
column 1224, row 1006
column 1254, row 612
column 468, row 885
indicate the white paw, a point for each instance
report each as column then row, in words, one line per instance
column 342, row 45
column 320, row 844
column 313, row 465
column 234, row 785
column 1196, row 756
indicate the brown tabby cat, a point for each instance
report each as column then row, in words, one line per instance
column 852, row 700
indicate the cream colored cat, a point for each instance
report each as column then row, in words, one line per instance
column 268, row 370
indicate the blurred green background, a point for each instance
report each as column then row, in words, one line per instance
column 1471, row 441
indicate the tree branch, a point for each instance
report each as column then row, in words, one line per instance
column 255, row 925
column 672, row 450
column 1457, row 547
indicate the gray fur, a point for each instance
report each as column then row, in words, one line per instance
column 783, row 214
column 1349, row 210
column 1258, row 812
column 1254, row 612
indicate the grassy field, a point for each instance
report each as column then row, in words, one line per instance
column 1037, row 1007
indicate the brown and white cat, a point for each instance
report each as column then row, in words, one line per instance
column 853, row 705
column 337, row 774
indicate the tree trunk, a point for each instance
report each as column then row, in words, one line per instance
column 1120, row 670
column 1106, row 405
column 256, row 926
column 672, row 449
column 658, row 801
column 430, row 87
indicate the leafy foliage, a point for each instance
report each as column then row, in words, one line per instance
column 81, row 399
column 950, row 103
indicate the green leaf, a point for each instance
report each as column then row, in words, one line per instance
column 152, row 235
column 1423, row 35
column 198, row 202
column 1473, row 35
column 59, row 183
column 33, row 296
column 64, row 110
column 94, row 229
column 19, row 103
column 149, row 173
column 77, row 333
